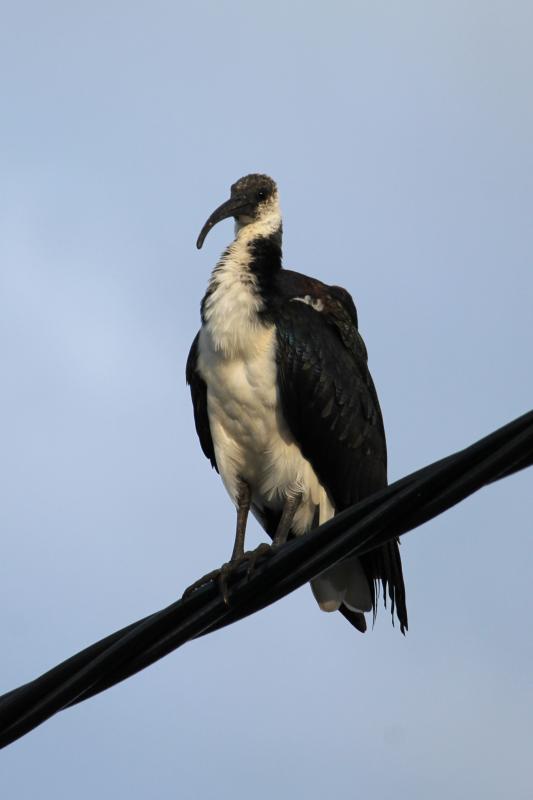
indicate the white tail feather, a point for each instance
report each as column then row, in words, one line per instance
column 343, row 583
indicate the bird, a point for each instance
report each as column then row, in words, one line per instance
column 284, row 404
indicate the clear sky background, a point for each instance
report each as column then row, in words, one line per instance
column 401, row 137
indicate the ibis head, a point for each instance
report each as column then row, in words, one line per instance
column 252, row 198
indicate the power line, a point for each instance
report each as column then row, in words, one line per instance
column 395, row 510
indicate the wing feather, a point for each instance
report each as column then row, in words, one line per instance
column 331, row 406
column 199, row 403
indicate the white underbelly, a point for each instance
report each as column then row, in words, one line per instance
column 250, row 436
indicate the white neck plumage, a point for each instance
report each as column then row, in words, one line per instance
column 269, row 222
column 231, row 306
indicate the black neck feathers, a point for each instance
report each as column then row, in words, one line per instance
column 265, row 260
column 256, row 266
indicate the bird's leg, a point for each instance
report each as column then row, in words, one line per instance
column 287, row 518
column 222, row 574
column 290, row 508
column 244, row 498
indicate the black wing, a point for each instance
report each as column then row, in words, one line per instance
column 199, row 403
column 331, row 407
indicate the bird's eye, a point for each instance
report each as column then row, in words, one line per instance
column 261, row 194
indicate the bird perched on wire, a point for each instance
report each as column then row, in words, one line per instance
column 284, row 404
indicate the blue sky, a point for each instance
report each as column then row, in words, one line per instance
column 401, row 137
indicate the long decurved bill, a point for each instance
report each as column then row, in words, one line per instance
column 231, row 208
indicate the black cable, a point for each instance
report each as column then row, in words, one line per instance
column 391, row 512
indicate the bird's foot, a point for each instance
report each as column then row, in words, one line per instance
column 203, row 581
column 224, row 574
column 253, row 556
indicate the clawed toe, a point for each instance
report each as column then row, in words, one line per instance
column 253, row 556
column 200, row 582
column 224, row 574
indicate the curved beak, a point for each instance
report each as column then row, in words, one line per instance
column 231, row 208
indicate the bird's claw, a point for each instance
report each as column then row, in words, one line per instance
column 223, row 579
column 252, row 556
column 210, row 576
column 222, row 576
column 224, row 573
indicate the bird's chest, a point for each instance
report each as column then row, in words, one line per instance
column 245, row 419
